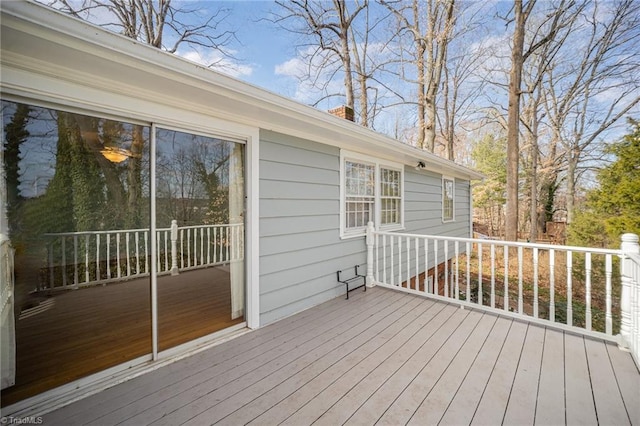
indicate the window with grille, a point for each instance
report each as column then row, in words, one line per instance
column 371, row 190
column 448, row 196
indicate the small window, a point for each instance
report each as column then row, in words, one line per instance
column 448, row 196
column 390, row 197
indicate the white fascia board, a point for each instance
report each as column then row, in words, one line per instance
column 185, row 84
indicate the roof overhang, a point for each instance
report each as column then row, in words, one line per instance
column 45, row 44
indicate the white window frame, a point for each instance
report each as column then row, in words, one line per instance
column 453, row 199
column 378, row 164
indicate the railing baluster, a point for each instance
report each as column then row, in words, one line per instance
column 493, row 275
column 417, row 247
column 436, row 272
column 446, row 268
column 215, row 245
column 552, row 285
column 535, row 282
column 384, row 258
column 128, row 254
column 505, row 305
column 98, row 257
column 468, row 272
column 227, row 242
column 188, row 247
column 608, row 315
column 569, row 289
column 167, row 263
column 391, row 259
column 202, row 244
column 146, row 252
column 208, row 245
column 480, row 274
column 108, row 254
column 119, row 274
column 587, row 261
column 159, row 258
column 400, row 261
column 76, row 278
column 63, row 266
column 86, row 258
column 408, row 241
column 520, row 304
column 137, row 238
column 181, row 248
column 457, row 276
column 427, row 287
column 377, row 245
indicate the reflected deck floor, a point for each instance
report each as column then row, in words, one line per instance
column 87, row 330
column 381, row 357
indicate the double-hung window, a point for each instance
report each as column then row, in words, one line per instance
column 371, row 190
column 448, row 197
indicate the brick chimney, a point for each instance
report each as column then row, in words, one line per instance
column 343, row 112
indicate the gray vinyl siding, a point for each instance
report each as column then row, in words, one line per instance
column 300, row 245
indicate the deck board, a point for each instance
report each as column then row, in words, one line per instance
column 380, row 357
column 289, row 358
column 550, row 407
column 437, row 400
column 393, row 353
column 626, row 374
column 578, row 394
column 493, row 404
column 462, row 407
column 521, row 406
column 606, row 394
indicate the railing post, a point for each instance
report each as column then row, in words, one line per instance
column 629, row 245
column 370, row 260
column 174, row 247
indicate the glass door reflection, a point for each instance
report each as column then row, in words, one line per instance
column 200, row 235
column 77, row 205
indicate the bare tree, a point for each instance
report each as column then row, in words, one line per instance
column 543, row 33
column 429, row 26
column 157, row 23
column 592, row 88
column 460, row 86
column 326, row 27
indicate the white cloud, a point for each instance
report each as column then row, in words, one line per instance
column 218, row 61
column 292, row 68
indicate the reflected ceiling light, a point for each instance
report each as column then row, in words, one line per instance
column 116, row 155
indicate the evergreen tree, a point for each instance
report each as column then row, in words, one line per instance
column 613, row 208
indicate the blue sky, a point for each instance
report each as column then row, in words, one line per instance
column 262, row 46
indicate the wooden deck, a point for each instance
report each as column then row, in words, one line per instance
column 88, row 330
column 381, row 357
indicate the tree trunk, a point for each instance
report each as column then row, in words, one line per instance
column 571, row 186
column 513, row 121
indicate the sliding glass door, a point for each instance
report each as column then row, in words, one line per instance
column 77, row 218
column 200, row 228
column 76, row 195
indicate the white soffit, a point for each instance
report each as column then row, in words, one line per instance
column 41, row 40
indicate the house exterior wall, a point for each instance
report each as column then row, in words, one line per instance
column 300, row 244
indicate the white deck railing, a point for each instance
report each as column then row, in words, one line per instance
column 575, row 288
column 78, row 259
column 630, row 327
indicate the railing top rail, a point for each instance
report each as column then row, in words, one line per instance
column 615, row 252
column 113, row 231
column 218, row 225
